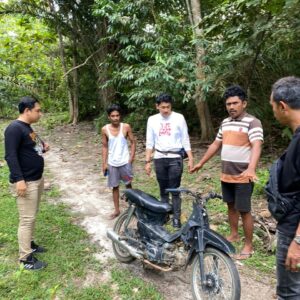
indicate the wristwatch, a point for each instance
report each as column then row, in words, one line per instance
column 147, row 161
column 297, row 239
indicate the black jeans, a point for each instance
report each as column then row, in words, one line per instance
column 288, row 283
column 168, row 174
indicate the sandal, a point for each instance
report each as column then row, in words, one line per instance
column 243, row 256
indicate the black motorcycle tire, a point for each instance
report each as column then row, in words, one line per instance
column 121, row 254
column 231, row 278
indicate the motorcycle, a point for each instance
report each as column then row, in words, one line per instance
column 139, row 233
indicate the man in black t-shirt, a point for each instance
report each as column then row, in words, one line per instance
column 285, row 101
column 23, row 153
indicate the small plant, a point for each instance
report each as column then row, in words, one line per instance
column 263, row 177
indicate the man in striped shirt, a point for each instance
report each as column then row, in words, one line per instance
column 240, row 136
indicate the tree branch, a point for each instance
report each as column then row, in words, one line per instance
column 83, row 64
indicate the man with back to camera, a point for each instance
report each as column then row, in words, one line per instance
column 116, row 159
column 167, row 133
column 23, row 153
column 285, row 102
column 240, row 136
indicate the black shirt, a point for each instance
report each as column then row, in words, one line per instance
column 23, row 152
column 289, row 181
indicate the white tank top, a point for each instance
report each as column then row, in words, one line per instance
column 118, row 154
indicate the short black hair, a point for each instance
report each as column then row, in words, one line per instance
column 113, row 107
column 287, row 89
column 164, row 98
column 27, row 102
column 235, row 90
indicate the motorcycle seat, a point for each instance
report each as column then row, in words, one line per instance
column 147, row 201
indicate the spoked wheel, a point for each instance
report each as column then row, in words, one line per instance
column 221, row 277
column 129, row 232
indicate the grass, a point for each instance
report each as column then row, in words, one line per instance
column 70, row 256
column 70, row 245
column 132, row 288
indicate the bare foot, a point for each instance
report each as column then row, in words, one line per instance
column 247, row 249
column 233, row 238
column 113, row 215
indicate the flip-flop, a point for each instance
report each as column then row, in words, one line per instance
column 243, row 256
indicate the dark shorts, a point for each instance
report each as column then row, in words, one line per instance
column 118, row 174
column 239, row 194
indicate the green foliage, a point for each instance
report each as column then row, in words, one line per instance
column 28, row 64
column 263, row 177
column 246, row 43
column 138, row 119
column 155, row 56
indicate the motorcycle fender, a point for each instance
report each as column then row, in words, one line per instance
column 210, row 239
column 215, row 240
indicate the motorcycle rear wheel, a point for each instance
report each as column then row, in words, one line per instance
column 221, row 274
column 121, row 254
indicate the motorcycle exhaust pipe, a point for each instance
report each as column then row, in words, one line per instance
column 116, row 239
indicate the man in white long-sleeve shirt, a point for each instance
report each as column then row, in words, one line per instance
column 167, row 134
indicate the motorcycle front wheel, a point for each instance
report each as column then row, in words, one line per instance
column 129, row 231
column 221, row 277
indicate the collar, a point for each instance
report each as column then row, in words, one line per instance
column 239, row 118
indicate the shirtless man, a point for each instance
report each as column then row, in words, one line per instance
column 116, row 158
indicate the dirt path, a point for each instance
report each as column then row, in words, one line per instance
column 74, row 166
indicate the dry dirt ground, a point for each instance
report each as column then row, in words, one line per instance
column 74, row 166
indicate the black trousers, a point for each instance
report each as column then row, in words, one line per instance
column 288, row 282
column 168, row 174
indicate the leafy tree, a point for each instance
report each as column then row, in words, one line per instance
column 80, row 52
column 28, row 62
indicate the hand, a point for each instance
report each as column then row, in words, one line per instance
column 104, row 168
column 293, row 257
column 46, row 147
column 250, row 175
column 196, row 168
column 190, row 165
column 131, row 160
column 148, row 168
column 21, row 188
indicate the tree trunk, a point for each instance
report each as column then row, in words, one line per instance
column 67, row 77
column 64, row 64
column 107, row 94
column 75, row 86
column 207, row 131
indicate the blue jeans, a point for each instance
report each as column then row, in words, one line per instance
column 288, row 283
column 168, row 174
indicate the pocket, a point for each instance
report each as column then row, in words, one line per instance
column 176, row 168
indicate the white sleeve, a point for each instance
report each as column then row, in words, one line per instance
column 219, row 136
column 149, row 135
column 185, row 135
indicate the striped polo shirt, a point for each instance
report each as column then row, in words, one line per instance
column 236, row 136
